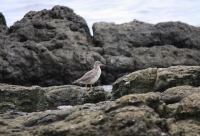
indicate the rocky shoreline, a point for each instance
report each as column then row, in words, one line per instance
column 154, row 70
column 55, row 47
column 135, row 106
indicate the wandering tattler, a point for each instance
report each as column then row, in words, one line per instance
column 91, row 76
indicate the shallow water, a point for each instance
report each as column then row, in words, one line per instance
column 64, row 107
column 107, row 87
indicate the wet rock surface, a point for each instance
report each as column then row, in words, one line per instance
column 176, row 94
column 48, row 49
column 93, row 111
column 22, row 98
column 104, row 118
column 35, row 98
column 156, row 80
column 73, row 95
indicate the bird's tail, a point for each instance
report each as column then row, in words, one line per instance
column 75, row 82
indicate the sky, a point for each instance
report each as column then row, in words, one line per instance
column 117, row 11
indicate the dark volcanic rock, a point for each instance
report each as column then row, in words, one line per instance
column 2, row 19
column 140, row 34
column 54, row 47
column 137, row 45
column 60, row 23
column 3, row 33
column 49, row 47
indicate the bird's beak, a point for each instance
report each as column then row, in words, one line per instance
column 103, row 65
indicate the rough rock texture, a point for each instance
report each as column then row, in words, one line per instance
column 189, row 107
column 137, row 45
column 54, row 47
column 21, row 98
column 73, row 95
column 138, row 114
column 105, row 118
column 49, row 47
column 156, row 79
column 187, row 127
column 3, row 29
column 35, row 98
column 176, row 94
column 173, row 111
column 140, row 34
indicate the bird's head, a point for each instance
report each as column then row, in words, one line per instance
column 98, row 63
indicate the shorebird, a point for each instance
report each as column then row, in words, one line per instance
column 91, row 76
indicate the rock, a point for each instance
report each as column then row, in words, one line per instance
column 35, row 98
column 73, row 95
column 45, row 118
column 21, row 98
column 176, row 94
column 3, row 34
column 139, row 114
column 55, row 47
column 189, row 107
column 146, row 35
column 149, row 99
column 138, row 45
column 174, row 97
column 137, row 82
column 186, row 127
column 177, row 76
column 3, row 27
column 46, row 48
column 124, row 120
column 152, row 100
column 156, row 79
column 2, row 19
column 59, row 23
column 171, row 110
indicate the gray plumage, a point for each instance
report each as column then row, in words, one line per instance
column 91, row 76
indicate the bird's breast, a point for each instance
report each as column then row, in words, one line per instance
column 96, row 76
column 94, row 79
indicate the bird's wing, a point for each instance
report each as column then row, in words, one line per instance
column 86, row 76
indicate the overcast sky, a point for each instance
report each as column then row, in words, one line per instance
column 117, row 11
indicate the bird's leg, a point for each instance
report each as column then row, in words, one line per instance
column 85, row 85
column 90, row 85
